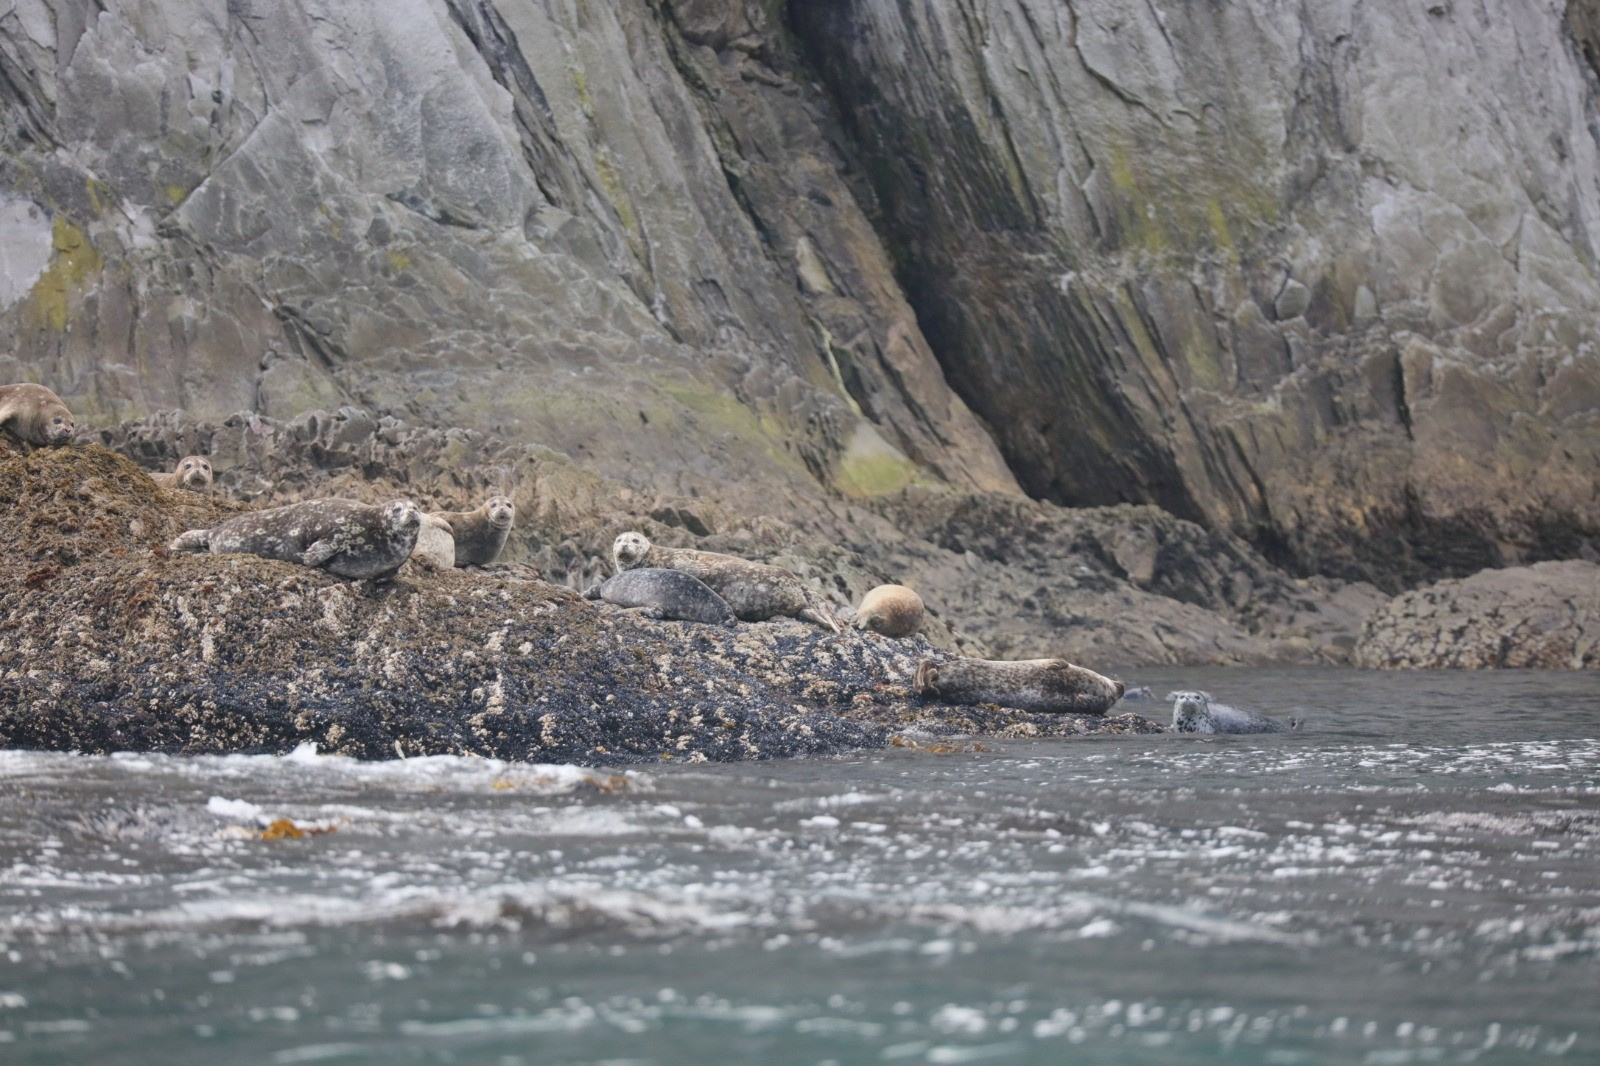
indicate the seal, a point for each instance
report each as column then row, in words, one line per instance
column 755, row 591
column 1054, row 686
column 193, row 472
column 892, row 610
column 436, row 545
column 664, row 593
column 1194, row 712
column 480, row 534
column 35, row 414
column 343, row 537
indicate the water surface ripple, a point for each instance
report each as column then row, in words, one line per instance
column 1414, row 877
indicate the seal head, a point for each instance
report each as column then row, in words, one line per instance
column 193, row 473
column 35, row 414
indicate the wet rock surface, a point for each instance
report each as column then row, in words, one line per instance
column 1546, row 615
column 110, row 643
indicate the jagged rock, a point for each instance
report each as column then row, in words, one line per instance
column 110, row 643
column 1545, row 615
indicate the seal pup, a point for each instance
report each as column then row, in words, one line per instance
column 664, row 593
column 480, row 534
column 1194, row 712
column 436, row 545
column 193, row 472
column 892, row 610
column 755, row 591
column 1050, row 685
column 343, row 537
column 35, row 414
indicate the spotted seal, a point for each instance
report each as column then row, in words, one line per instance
column 193, row 472
column 755, row 591
column 892, row 610
column 664, row 593
column 480, row 534
column 1050, row 685
column 343, row 537
column 1195, row 712
column 35, row 414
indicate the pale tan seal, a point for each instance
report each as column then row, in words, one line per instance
column 479, row 535
column 34, row 414
column 343, row 537
column 193, row 472
column 436, row 545
column 1052, row 685
column 755, row 591
column 892, row 610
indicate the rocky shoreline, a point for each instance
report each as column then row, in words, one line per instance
column 110, row 643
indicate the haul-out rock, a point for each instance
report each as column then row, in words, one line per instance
column 1546, row 615
column 110, row 643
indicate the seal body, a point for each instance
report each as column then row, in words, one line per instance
column 193, row 472
column 1194, row 712
column 755, row 591
column 479, row 534
column 892, row 610
column 35, row 414
column 343, row 537
column 436, row 545
column 664, row 593
column 1050, row 685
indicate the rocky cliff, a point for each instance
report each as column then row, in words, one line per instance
column 1319, row 276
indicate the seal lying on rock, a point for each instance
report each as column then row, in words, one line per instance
column 436, row 545
column 35, row 414
column 664, row 594
column 892, row 610
column 193, row 472
column 343, row 537
column 755, row 591
column 480, row 534
column 1052, row 685
column 1193, row 712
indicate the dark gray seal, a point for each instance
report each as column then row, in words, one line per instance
column 1194, row 712
column 755, row 591
column 343, row 537
column 35, row 414
column 1051, row 685
column 664, row 594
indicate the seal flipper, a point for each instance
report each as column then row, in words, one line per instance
column 319, row 552
column 821, row 614
column 195, row 540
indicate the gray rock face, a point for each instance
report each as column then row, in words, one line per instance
column 1314, row 276
column 1547, row 615
column 1322, row 273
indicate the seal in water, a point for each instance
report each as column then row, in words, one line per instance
column 1050, row 685
column 1194, row 712
column 35, row 414
column 343, row 537
column 893, row 610
column 664, row 593
column 193, row 472
column 480, row 534
column 755, row 591
column 436, row 545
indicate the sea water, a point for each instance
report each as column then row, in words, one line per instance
column 1412, row 877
